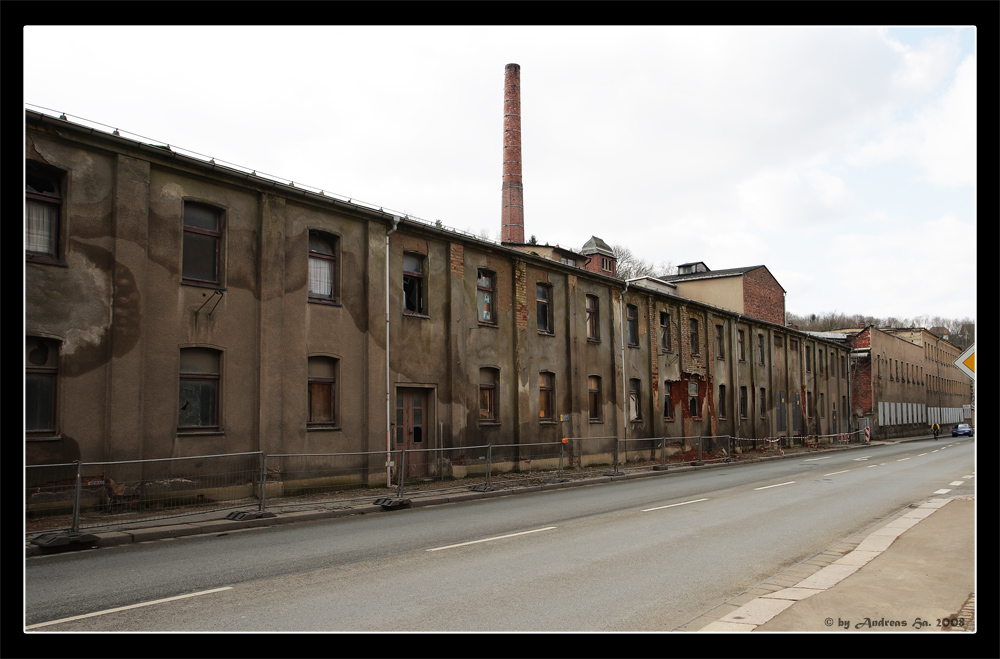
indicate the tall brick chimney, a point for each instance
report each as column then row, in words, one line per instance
column 512, row 218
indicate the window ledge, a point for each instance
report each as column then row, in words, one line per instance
column 595, row 341
column 543, row 333
column 42, row 438
column 596, row 421
column 329, row 303
column 548, row 422
column 310, row 428
column 410, row 314
column 489, row 423
column 490, row 325
column 198, row 284
column 188, row 433
column 45, row 260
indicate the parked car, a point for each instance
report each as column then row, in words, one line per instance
column 963, row 429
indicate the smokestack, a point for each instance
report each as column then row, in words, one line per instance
column 512, row 218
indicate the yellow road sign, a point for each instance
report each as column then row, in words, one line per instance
column 967, row 361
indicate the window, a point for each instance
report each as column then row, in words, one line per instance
column 822, row 405
column 485, row 290
column 809, row 361
column 722, row 401
column 763, row 402
column 632, row 324
column 488, row 380
column 322, row 391
column 634, row 400
column 543, row 308
column 413, row 284
column 42, row 211
column 665, row 331
column 779, row 341
column 809, row 404
column 606, row 264
column 819, row 361
column 593, row 319
column 793, row 344
column 668, row 400
column 720, row 352
column 741, row 345
column 594, row 397
column 743, row 402
column 693, row 407
column 41, row 370
column 199, row 389
column 202, row 243
column 760, row 348
column 693, row 328
column 322, row 267
column 546, row 395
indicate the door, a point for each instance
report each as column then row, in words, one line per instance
column 411, row 428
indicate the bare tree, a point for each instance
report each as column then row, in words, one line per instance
column 630, row 266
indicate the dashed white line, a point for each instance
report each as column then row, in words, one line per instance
column 837, row 472
column 126, row 608
column 941, row 491
column 901, row 459
column 811, row 459
column 499, row 537
column 775, row 485
column 956, row 482
column 921, row 454
column 682, row 503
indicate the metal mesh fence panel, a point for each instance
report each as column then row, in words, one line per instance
column 136, row 491
column 339, row 478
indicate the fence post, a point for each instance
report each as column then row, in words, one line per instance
column 402, row 470
column 489, row 463
column 263, row 480
column 561, row 444
column 700, row 440
column 75, row 528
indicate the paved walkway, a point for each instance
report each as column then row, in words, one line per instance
column 915, row 572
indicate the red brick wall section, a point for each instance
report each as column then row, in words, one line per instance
column 512, row 216
column 521, row 295
column 763, row 297
column 457, row 259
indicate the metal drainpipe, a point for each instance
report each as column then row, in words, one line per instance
column 388, row 381
column 624, row 373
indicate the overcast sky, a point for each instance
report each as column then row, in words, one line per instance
column 843, row 159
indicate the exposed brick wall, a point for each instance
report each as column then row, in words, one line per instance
column 512, row 217
column 692, row 363
column 457, row 259
column 763, row 297
column 521, row 294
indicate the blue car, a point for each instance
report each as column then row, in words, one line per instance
column 963, row 429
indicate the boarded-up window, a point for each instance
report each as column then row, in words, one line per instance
column 594, row 397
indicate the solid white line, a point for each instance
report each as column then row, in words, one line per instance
column 499, row 537
column 837, row 472
column 775, row 485
column 683, row 503
column 126, row 608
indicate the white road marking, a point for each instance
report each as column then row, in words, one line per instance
column 863, row 457
column 126, row 608
column 837, row 472
column 683, row 503
column 967, row 476
column 921, row 454
column 941, row 491
column 901, row 459
column 499, row 537
column 775, row 485
column 811, row 459
column 956, row 482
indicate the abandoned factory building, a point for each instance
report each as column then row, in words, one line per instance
column 178, row 307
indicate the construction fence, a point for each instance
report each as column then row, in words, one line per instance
column 91, row 496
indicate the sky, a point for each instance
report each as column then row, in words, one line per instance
column 842, row 158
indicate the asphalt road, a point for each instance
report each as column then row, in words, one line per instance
column 644, row 555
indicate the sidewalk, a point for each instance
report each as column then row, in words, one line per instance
column 913, row 573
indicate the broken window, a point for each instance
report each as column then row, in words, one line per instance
column 202, row 243
column 632, row 324
column 543, row 308
column 760, row 349
column 546, row 395
column 488, row 380
column 743, row 402
column 741, row 345
column 693, row 407
column 668, row 402
column 413, row 284
column 485, row 285
column 41, row 370
column 720, row 352
column 199, row 389
column 42, row 211
column 593, row 319
column 634, row 400
column 322, row 391
column 693, row 331
column 809, row 362
column 322, row 267
column 594, row 397
column 722, row 401
column 665, row 331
